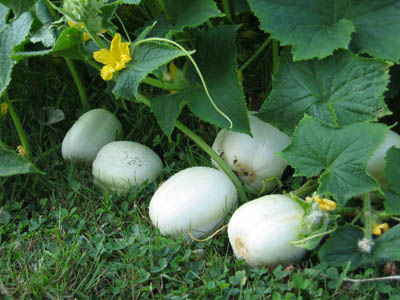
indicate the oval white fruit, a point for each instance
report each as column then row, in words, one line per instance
column 89, row 133
column 122, row 164
column 376, row 164
column 260, row 231
column 254, row 159
column 193, row 200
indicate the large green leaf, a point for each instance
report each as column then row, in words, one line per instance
column 392, row 175
column 338, row 90
column 216, row 58
column 19, row 6
column 184, row 13
column 342, row 247
column 338, row 155
column 146, row 58
column 4, row 11
column 12, row 36
column 12, row 163
column 316, row 28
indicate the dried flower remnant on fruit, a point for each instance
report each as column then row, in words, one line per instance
column 3, row 109
column 21, row 150
column 114, row 59
column 378, row 229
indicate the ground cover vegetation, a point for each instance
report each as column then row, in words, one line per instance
column 176, row 73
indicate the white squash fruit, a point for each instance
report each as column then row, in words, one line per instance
column 193, row 200
column 377, row 163
column 89, row 133
column 120, row 165
column 260, row 231
column 254, row 159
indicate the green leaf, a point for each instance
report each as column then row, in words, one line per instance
column 146, row 58
column 12, row 163
column 130, row 1
column 4, row 11
column 216, row 58
column 19, row 6
column 392, row 175
column 338, row 90
column 68, row 44
column 341, row 248
column 315, row 28
column 12, row 36
column 46, row 35
column 184, row 13
column 387, row 246
column 338, row 155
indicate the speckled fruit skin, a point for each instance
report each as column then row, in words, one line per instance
column 254, row 159
column 120, row 165
column 90, row 132
column 194, row 200
column 260, row 231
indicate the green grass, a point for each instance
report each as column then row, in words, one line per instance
column 60, row 238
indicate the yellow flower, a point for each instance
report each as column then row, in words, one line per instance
column 378, row 229
column 325, row 204
column 21, row 150
column 3, row 109
column 86, row 37
column 114, row 59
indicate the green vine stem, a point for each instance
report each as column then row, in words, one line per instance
column 18, row 126
column 206, row 148
column 275, row 55
column 227, row 9
column 78, row 83
column 256, row 54
column 155, row 39
column 148, row 80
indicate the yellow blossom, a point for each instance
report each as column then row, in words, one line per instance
column 86, row 37
column 325, row 204
column 21, row 150
column 378, row 229
column 114, row 59
column 3, row 109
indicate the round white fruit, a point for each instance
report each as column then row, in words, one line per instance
column 193, row 200
column 89, row 133
column 260, row 231
column 376, row 164
column 254, row 159
column 120, row 165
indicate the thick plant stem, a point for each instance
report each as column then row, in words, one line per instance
column 255, row 55
column 206, row 148
column 227, row 9
column 160, row 4
column 367, row 217
column 18, row 126
column 275, row 56
column 307, row 188
column 78, row 83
